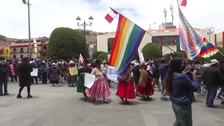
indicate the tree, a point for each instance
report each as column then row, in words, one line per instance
column 99, row 55
column 102, row 56
column 151, row 51
column 66, row 43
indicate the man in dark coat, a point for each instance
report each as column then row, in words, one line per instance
column 24, row 71
column 163, row 68
column 212, row 79
column 3, row 76
column 221, row 68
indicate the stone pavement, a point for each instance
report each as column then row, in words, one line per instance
column 63, row 106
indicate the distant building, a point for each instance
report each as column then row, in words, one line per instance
column 167, row 38
column 218, row 39
column 4, row 49
column 19, row 48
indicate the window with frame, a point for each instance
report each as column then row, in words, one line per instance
column 21, row 50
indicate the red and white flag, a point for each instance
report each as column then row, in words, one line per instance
column 183, row 2
column 110, row 16
column 81, row 60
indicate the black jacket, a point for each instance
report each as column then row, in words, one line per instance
column 4, row 67
column 24, row 71
column 211, row 76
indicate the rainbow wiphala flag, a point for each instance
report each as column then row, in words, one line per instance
column 191, row 42
column 125, row 44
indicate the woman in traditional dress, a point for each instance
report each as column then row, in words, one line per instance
column 54, row 74
column 125, row 88
column 100, row 88
column 72, row 75
column 145, row 89
column 80, row 81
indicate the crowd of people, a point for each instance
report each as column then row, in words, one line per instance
column 175, row 79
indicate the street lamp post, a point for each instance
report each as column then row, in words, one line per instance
column 210, row 32
column 84, row 24
column 27, row 2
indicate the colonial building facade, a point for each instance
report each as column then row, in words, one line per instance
column 20, row 48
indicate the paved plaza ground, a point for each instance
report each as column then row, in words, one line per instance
column 63, row 106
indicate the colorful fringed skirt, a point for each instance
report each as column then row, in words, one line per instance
column 126, row 90
column 80, row 84
column 100, row 89
column 147, row 90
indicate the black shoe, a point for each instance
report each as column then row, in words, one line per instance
column 6, row 94
column 164, row 99
column 219, row 97
column 1, row 94
column 211, row 106
column 127, row 102
column 222, row 102
column 29, row 96
column 19, row 96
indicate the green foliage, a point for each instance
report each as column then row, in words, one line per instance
column 99, row 55
column 151, row 51
column 173, row 55
column 219, row 56
column 102, row 56
column 66, row 43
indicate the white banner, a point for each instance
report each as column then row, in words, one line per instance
column 34, row 73
column 89, row 80
column 112, row 74
column 141, row 57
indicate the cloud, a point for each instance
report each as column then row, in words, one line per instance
column 46, row 15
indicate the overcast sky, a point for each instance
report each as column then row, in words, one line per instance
column 46, row 15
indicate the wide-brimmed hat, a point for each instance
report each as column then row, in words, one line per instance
column 71, row 62
column 214, row 61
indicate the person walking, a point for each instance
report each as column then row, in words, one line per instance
column 82, row 69
column 136, row 72
column 212, row 80
column 43, row 71
column 155, row 76
column 145, row 89
column 12, row 72
column 72, row 74
column 3, row 77
column 125, row 87
column 24, row 71
column 54, row 74
column 163, row 68
column 179, row 87
column 34, row 77
column 100, row 88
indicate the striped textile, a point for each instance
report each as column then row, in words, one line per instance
column 208, row 50
column 190, row 41
column 125, row 45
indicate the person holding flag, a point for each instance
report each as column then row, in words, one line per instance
column 125, row 88
column 82, row 69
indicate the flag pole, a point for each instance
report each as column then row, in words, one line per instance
column 221, row 53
